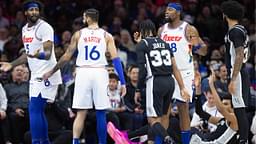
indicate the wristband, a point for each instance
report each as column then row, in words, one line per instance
column 119, row 69
column 41, row 55
column 196, row 47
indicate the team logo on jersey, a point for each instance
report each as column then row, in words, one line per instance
column 171, row 38
column 27, row 39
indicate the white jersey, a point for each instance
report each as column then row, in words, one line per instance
column 179, row 45
column 33, row 39
column 91, row 48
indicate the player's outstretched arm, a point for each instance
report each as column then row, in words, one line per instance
column 67, row 55
column 198, row 45
column 177, row 75
column 6, row 66
column 221, row 108
column 116, row 61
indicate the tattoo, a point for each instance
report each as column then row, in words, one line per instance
column 21, row 60
column 48, row 49
column 238, row 62
column 193, row 37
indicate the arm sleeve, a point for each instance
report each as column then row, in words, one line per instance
column 45, row 32
column 141, row 61
column 237, row 37
column 3, row 99
column 202, row 114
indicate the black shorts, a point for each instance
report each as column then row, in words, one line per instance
column 159, row 91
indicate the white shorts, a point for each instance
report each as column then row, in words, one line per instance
column 91, row 88
column 237, row 98
column 47, row 90
column 188, row 78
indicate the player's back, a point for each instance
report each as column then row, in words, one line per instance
column 179, row 45
column 91, row 47
column 158, row 57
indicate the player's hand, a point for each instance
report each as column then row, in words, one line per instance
column 5, row 66
column 212, row 77
column 35, row 54
column 231, row 87
column 184, row 94
column 137, row 37
column 47, row 75
column 137, row 98
column 123, row 90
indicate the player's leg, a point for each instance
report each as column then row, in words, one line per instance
column 239, row 109
column 78, row 125
column 82, row 101
column 183, row 109
column 101, row 101
column 38, row 122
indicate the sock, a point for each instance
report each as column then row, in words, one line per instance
column 185, row 137
column 101, row 126
column 38, row 122
column 158, row 140
column 159, row 131
column 242, row 123
column 138, row 132
column 75, row 141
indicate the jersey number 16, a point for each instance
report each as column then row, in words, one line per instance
column 93, row 53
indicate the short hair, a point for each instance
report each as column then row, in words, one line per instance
column 233, row 9
column 27, row 3
column 113, row 76
column 93, row 14
column 146, row 27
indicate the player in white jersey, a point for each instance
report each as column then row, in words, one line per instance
column 37, row 36
column 184, row 40
column 91, row 75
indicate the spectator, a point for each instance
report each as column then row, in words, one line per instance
column 4, row 123
column 18, row 96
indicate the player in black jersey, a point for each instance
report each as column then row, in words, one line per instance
column 156, row 66
column 236, row 43
column 227, row 127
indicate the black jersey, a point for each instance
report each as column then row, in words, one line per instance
column 236, row 37
column 154, row 58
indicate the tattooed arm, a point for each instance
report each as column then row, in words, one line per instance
column 198, row 45
column 238, row 62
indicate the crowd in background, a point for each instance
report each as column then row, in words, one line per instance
column 120, row 18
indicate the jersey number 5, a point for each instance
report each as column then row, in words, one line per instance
column 93, row 54
column 160, row 57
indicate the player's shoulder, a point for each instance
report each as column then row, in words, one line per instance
column 44, row 25
column 237, row 29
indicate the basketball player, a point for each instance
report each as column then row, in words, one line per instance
column 184, row 40
column 91, row 75
column 160, row 65
column 236, row 44
column 37, row 36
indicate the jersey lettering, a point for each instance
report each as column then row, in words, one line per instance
column 93, row 54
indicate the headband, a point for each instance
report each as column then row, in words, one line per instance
column 31, row 5
column 175, row 6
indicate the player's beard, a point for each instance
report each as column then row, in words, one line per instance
column 33, row 18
